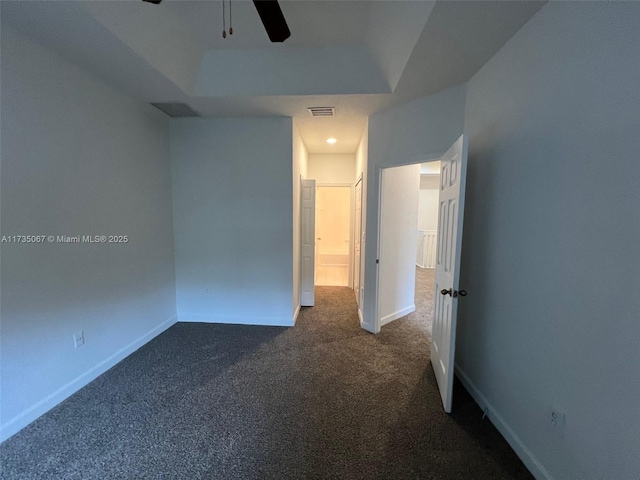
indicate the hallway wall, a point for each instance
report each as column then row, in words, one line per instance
column 428, row 202
column 332, row 167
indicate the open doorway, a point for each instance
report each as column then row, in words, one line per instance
column 408, row 241
column 333, row 235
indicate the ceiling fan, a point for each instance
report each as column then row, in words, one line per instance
column 271, row 15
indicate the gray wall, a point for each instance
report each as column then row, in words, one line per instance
column 78, row 158
column 233, row 218
column 552, row 240
column 414, row 132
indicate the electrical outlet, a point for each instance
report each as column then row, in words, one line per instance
column 78, row 339
column 557, row 419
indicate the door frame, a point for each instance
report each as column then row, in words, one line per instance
column 352, row 206
column 358, row 267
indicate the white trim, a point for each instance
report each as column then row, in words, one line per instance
column 376, row 320
column 296, row 313
column 238, row 320
column 397, row 314
column 527, row 457
column 27, row 416
column 353, row 245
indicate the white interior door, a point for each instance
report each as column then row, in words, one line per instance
column 307, row 242
column 453, row 171
column 356, row 243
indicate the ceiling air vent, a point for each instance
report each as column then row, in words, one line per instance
column 176, row 109
column 322, row 111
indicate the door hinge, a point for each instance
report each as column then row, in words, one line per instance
column 377, row 261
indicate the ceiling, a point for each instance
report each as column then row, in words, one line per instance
column 357, row 56
column 341, row 23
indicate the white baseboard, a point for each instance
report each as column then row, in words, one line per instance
column 296, row 313
column 424, row 266
column 238, row 320
column 17, row 423
column 397, row 314
column 527, row 457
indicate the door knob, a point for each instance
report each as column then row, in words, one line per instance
column 453, row 293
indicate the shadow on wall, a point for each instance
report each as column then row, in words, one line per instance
column 479, row 188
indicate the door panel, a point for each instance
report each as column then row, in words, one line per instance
column 307, row 242
column 450, row 218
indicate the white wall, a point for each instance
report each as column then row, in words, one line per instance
column 428, row 202
column 552, row 240
column 233, row 219
column 417, row 131
column 332, row 167
column 300, row 169
column 398, row 219
column 78, row 158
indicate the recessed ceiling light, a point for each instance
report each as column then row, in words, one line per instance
column 331, row 140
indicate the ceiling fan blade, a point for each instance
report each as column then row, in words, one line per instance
column 272, row 19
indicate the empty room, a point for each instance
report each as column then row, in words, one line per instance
column 166, row 166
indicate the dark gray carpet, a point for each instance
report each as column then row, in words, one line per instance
column 423, row 316
column 321, row 400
